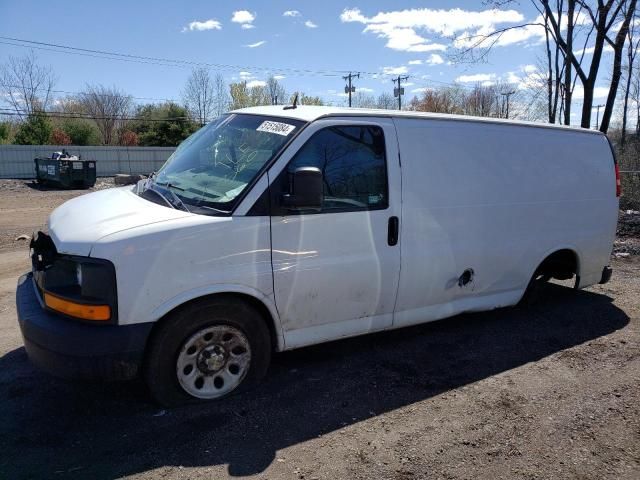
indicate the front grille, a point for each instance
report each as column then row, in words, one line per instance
column 43, row 252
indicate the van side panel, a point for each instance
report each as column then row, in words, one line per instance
column 167, row 264
column 496, row 199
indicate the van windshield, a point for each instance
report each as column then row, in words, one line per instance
column 211, row 168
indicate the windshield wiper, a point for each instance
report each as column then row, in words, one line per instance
column 167, row 187
column 225, row 212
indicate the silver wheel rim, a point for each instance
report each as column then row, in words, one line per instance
column 213, row 361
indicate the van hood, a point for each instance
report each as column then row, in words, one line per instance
column 80, row 222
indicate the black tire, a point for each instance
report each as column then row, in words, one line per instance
column 174, row 330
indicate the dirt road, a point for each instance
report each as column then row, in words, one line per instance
column 551, row 391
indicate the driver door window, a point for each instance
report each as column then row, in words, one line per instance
column 353, row 164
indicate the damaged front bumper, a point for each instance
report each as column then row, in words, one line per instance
column 76, row 349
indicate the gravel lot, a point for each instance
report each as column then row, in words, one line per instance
column 552, row 391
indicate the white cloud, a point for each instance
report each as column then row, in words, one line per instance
column 514, row 79
column 477, row 77
column 589, row 50
column 415, row 62
column 420, row 90
column 257, row 44
column 395, row 70
column 291, row 13
column 256, row 83
column 279, row 77
column 196, row 25
column 247, row 26
column 245, row 75
column 365, row 89
column 598, row 92
column 401, row 28
column 243, row 16
column 529, row 69
column 435, row 59
column 310, row 24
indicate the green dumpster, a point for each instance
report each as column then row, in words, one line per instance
column 65, row 171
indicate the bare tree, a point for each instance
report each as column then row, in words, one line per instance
column 221, row 104
column 443, row 100
column 635, row 95
column 26, row 85
column 482, row 101
column 609, row 19
column 199, row 94
column 363, row 100
column 108, row 107
column 632, row 50
column 276, row 91
column 386, row 101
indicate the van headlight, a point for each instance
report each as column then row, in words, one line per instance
column 80, row 287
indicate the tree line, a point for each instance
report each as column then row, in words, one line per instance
column 106, row 115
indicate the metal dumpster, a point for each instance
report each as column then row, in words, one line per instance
column 65, row 171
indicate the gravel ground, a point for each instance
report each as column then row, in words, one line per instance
column 628, row 234
column 25, row 206
column 550, row 391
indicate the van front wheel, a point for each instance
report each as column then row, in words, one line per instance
column 207, row 350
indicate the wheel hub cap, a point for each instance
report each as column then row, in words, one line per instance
column 213, row 361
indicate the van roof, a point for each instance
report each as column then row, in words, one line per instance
column 309, row 113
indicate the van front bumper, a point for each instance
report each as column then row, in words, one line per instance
column 74, row 349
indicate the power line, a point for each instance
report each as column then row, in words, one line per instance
column 86, row 116
column 149, row 60
column 68, row 92
column 164, row 61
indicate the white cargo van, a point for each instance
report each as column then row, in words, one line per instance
column 274, row 228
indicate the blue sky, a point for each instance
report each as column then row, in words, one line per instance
column 409, row 37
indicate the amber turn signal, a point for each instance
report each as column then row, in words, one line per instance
column 78, row 310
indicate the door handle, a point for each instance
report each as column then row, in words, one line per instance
column 393, row 231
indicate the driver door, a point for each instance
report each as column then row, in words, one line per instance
column 336, row 270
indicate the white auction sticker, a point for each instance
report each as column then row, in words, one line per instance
column 278, row 128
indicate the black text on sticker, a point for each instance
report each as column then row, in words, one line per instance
column 278, row 128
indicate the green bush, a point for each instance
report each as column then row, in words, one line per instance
column 36, row 130
column 5, row 131
column 164, row 125
column 81, row 132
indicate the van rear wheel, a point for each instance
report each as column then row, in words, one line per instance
column 534, row 290
column 207, row 350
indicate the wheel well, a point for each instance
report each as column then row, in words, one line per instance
column 561, row 264
column 254, row 302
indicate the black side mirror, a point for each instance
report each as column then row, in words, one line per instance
column 306, row 192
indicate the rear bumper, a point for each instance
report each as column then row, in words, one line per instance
column 606, row 274
column 73, row 349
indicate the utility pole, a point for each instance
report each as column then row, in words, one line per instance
column 507, row 95
column 350, row 88
column 598, row 107
column 399, row 91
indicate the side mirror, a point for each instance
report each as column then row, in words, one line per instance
column 307, row 190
